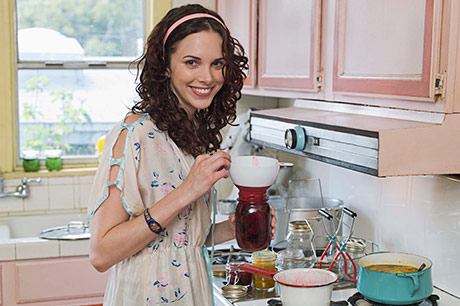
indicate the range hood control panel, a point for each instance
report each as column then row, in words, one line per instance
column 356, row 150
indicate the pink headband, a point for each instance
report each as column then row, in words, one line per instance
column 184, row 19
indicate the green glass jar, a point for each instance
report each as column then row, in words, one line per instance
column 30, row 161
column 53, row 160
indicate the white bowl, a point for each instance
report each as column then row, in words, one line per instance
column 254, row 171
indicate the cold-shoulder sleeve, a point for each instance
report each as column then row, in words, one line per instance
column 128, row 166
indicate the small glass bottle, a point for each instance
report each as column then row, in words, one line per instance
column 30, row 161
column 264, row 259
column 236, row 276
column 53, row 160
column 300, row 237
column 252, row 226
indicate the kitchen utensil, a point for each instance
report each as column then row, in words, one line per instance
column 422, row 266
column 304, row 198
column 334, row 243
column 298, row 286
column 254, row 171
column 74, row 230
column 394, row 288
column 299, row 208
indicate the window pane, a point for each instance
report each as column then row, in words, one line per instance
column 79, row 29
column 71, row 109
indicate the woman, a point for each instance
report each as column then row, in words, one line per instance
column 151, row 200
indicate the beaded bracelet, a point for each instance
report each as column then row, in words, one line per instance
column 154, row 226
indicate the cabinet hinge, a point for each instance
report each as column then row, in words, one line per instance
column 439, row 88
column 319, row 78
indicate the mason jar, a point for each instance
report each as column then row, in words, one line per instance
column 300, row 237
column 264, row 259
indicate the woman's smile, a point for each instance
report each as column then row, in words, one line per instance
column 201, row 91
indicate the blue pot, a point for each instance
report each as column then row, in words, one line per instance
column 394, row 288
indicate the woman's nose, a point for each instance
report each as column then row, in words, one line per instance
column 206, row 75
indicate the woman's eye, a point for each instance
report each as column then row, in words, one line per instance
column 191, row 62
column 218, row 63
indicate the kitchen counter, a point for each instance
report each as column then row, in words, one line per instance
column 35, row 247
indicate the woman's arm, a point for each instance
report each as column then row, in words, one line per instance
column 114, row 237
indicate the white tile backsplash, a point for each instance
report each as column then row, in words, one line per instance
column 39, row 196
column 62, row 197
column 414, row 214
column 55, row 194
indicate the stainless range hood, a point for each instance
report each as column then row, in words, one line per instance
column 355, row 138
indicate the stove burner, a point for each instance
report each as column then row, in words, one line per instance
column 358, row 299
column 221, row 257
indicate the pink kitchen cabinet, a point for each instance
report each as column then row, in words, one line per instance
column 289, row 45
column 241, row 19
column 51, row 281
column 395, row 54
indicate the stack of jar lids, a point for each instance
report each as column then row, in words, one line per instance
column 300, row 225
column 234, row 291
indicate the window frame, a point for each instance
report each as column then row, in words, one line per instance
column 9, row 131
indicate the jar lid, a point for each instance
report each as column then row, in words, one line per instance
column 30, row 154
column 300, row 225
column 234, row 291
column 355, row 246
column 264, row 255
column 53, row 153
column 218, row 271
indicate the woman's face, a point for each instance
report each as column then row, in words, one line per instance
column 196, row 70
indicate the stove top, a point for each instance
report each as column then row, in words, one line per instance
column 358, row 299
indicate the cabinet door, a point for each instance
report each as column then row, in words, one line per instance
column 386, row 48
column 288, row 54
column 240, row 16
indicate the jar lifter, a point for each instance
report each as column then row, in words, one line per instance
column 334, row 241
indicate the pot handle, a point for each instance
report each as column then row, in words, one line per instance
column 414, row 278
column 257, row 270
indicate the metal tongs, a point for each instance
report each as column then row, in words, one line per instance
column 334, row 241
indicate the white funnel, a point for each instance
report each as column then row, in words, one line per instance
column 254, row 171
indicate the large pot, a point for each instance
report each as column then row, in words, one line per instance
column 394, row 288
column 300, row 287
column 301, row 208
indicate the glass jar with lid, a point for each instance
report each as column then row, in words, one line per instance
column 235, row 276
column 300, row 237
column 30, row 160
column 264, row 259
column 53, row 160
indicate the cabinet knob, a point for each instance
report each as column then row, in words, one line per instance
column 295, row 138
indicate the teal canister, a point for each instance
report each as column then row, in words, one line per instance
column 394, row 288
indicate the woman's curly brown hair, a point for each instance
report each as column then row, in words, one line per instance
column 202, row 133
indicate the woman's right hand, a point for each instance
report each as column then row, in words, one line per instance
column 206, row 171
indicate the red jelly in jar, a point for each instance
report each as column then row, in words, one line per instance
column 253, row 229
column 236, row 276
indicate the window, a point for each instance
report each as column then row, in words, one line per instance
column 73, row 82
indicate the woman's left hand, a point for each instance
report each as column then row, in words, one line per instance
column 273, row 224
